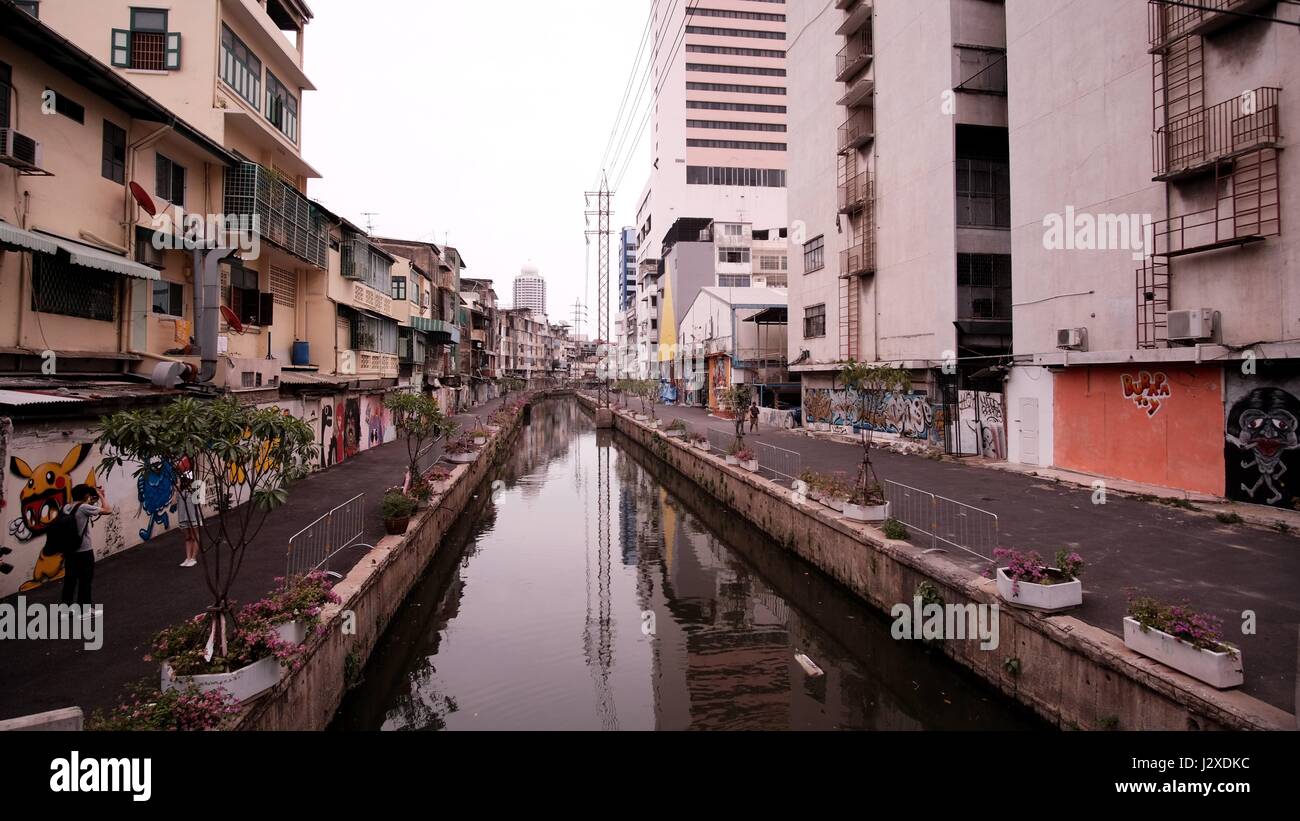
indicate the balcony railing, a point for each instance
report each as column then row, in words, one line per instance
column 287, row 218
column 1200, row 139
column 1167, row 22
column 855, row 55
column 858, row 130
column 1247, row 210
column 859, row 258
column 855, row 193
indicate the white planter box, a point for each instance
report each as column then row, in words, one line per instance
column 1221, row 670
column 824, row 427
column 462, row 458
column 1048, row 597
column 674, row 434
column 867, row 513
column 751, row 465
column 243, row 684
column 731, row 460
column 834, row 504
column 292, row 632
column 641, row 417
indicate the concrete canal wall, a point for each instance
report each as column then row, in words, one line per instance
column 1072, row 673
column 307, row 698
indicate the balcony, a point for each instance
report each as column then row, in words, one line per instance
column 1199, row 140
column 855, row 194
column 286, row 218
column 1167, row 23
column 858, row 16
column 859, row 95
column 858, row 130
column 855, row 56
column 1247, row 210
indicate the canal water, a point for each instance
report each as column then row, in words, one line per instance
column 589, row 587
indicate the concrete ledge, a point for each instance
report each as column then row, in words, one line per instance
column 68, row 719
column 1074, row 674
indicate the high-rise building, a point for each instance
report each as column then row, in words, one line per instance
column 530, row 290
column 627, row 268
column 899, row 203
column 718, row 124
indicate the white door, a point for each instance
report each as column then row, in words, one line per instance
column 1029, row 431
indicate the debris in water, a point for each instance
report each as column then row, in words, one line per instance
column 809, row 666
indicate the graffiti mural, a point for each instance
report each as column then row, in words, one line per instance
column 980, row 425
column 349, row 432
column 328, row 451
column 1147, row 391
column 904, row 414
column 154, row 490
column 1262, row 440
column 376, row 421
column 47, row 489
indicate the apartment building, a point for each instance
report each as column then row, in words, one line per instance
column 524, row 344
column 718, row 123
column 900, row 207
column 530, row 289
column 627, row 247
column 481, row 352
column 1155, row 288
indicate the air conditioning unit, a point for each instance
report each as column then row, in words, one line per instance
column 1191, row 326
column 146, row 253
column 19, row 150
column 1072, row 339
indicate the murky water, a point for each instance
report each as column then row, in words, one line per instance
column 590, row 588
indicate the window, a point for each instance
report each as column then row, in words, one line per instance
column 733, row 280
column 147, row 45
column 733, row 256
column 168, row 299
column 281, row 107
column 59, row 287
column 284, row 286
column 113, row 165
column 814, row 255
column 6, row 80
column 240, row 67
column 371, row 333
column 773, row 263
column 723, row 175
column 983, row 193
column 733, row 88
column 68, row 107
column 742, row 145
column 709, row 105
column 725, row 32
column 399, row 287
column 751, row 70
column 249, row 304
column 737, row 15
column 732, row 125
column 984, row 286
column 814, row 321
column 169, row 180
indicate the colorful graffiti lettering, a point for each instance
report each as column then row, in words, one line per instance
column 41, row 502
column 1148, row 391
column 909, row 415
column 1262, row 437
column 154, row 490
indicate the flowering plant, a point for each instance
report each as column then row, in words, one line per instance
column 301, row 599
column 183, row 646
column 1180, row 621
column 148, row 708
column 460, row 445
column 745, row 455
column 1030, row 567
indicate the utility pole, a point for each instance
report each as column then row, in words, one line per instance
column 602, row 214
column 579, row 316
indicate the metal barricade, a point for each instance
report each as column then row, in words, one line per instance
column 947, row 522
column 778, row 462
column 313, row 546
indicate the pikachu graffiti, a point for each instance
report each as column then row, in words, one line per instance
column 41, row 502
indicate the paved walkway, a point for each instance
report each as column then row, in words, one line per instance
column 143, row 590
column 1128, row 543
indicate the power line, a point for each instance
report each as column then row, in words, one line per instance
column 632, row 73
column 636, row 104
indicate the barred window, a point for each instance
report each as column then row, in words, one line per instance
column 814, row 254
column 733, row 256
column 59, row 287
column 983, row 193
column 984, row 286
column 731, row 125
column 373, row 334
column 721, row 32
column 814, row 321
column 284, row 286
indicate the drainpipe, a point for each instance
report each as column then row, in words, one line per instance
column 207, row 301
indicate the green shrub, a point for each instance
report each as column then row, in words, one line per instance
column 397, row 505
column 896, row 530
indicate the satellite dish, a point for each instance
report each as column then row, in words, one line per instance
column 143, row 199
column 231, row 319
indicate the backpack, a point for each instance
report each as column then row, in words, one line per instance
column 62, row 537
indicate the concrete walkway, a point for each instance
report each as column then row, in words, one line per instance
column 1129, row 543
column 143, row 590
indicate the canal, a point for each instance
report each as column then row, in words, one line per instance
column 590, row 587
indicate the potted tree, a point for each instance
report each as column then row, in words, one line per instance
column 871, row 383
column 699, row 441
column 419, row 420
column 480, row 435
column 461, row 450
column 748, row 460
column 1181, row 638
column 676, row 430
column 1025, row 579
column 245, row 460
column 396, row 509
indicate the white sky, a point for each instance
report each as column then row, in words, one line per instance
column 478, row 121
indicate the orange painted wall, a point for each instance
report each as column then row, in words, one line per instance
column 1100, row 430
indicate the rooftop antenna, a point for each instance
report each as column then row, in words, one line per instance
column 370, row 220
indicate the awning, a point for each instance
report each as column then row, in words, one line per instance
column 91, row 257
column 446, row 331
column 15, row 237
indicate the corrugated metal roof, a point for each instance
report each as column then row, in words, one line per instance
column 309, row 378
column 22, row 398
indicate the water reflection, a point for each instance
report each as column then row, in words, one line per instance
column 595, row 589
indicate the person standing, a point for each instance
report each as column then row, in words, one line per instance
column 189, row 508
column 753, row 417
column 79, row 566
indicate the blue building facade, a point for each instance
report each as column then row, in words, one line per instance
column 627, row 268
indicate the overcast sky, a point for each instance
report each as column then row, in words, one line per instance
column 478, row 122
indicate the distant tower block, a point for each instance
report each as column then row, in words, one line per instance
column 530, row 289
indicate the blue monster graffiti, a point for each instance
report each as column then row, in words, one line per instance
column 154, row 487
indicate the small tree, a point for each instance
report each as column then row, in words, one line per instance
column 419, row 420
column 871, row 383
column 243, row 459
column 736, row 400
